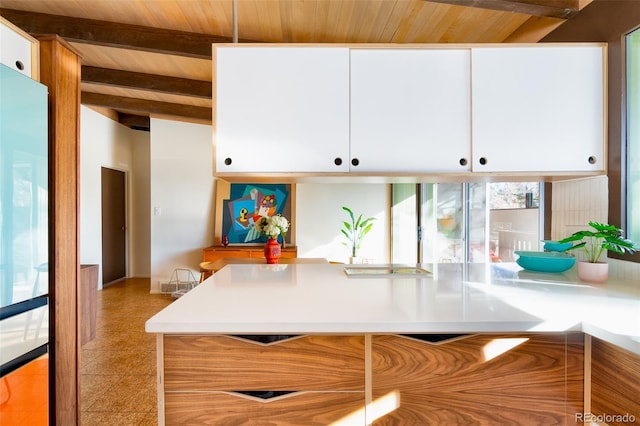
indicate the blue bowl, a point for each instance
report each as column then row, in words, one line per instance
column 543, row 261
column 556, row 246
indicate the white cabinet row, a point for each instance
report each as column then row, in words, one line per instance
column 409, row 111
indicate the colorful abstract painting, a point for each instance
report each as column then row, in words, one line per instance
column 248, row 203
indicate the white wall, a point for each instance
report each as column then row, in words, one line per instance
column 182, row 197
column 105, row 143
column 319, row 218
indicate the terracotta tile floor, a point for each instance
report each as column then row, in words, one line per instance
column 118, row 367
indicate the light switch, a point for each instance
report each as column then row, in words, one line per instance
column 157, row 211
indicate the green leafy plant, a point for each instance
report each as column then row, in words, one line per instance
column 596, row 243
column 355, row 230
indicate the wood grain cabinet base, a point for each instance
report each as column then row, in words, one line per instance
column 372, row 379
column 211, row 379
column 615, row 379
column 481, row 380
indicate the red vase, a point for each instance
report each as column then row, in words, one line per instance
column 272, row 251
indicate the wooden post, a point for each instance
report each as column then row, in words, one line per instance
column 60, row 72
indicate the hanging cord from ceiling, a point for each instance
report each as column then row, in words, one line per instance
column 235, row 21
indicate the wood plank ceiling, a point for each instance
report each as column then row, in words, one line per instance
column 152, row 58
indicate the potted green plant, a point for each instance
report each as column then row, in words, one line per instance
column 594, row 244
column 355, row 230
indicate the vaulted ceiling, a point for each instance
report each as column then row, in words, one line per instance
column 153, row 57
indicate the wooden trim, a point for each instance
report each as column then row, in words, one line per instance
column 160, row 373
column 587, row 373
column 60, row 71
column 368, row 375
column 415, row 46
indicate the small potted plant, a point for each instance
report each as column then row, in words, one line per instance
column 595, row 243
column 355, row 230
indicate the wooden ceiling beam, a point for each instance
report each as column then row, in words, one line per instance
column 135, row 122
column 142, row 81
column 113, row 34
column 563, row 9
column 146, row 106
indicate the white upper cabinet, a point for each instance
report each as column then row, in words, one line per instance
column 15, row 49
column 281, row 109
column 410, row 110
column 538, row 109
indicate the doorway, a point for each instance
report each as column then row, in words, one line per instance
column 113, row 226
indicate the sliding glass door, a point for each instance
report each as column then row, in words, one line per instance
column 24, row 244
column 464, row 222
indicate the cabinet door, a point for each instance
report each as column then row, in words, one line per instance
column 281, row 109
column 538, row 109
column 15, row 50
column 410, row 110
column 482, row 379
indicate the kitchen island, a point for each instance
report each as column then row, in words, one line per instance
column 307, row 344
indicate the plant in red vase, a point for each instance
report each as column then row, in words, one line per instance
column 272, row 227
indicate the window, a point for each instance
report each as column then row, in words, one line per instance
column 464, row 222
column 632, row 208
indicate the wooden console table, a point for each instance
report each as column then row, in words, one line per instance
column 213, row 267
column 214, row 253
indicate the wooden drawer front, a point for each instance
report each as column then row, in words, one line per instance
column 213, row 255
column 455, row 383
column 306, row 408
column 326, row 363
column 615, row 374
column 290, row 253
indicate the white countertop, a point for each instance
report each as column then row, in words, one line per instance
column 455, row 298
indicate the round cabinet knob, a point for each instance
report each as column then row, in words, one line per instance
column 463, row 161
column 355, row 162
column 592, row 160
column 337, row 161
column 482, row 161
column 227, row 161
column 19, row 65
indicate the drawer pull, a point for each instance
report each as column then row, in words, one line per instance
column 436, row 339
column 265, row 338
column 264, row 394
